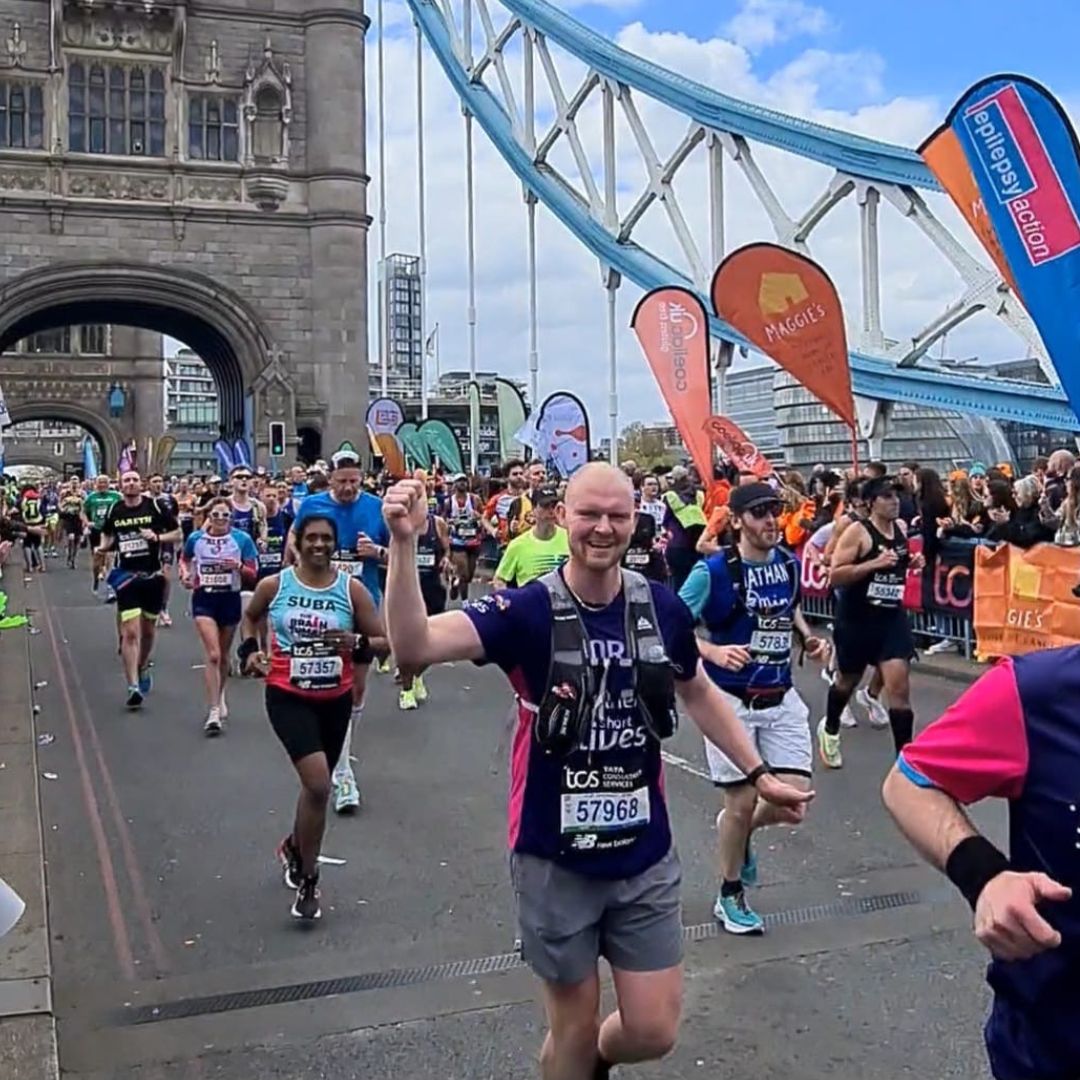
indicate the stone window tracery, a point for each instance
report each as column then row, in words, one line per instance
column 116, row 109
column 22, row 115
column 214, row 127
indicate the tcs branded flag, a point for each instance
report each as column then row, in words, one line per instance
column 1007, row 155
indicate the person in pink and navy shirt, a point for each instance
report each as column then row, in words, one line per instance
column 1014, row 735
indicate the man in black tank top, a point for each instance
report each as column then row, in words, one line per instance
column 869, row 567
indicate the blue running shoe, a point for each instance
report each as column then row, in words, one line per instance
column 146, row 681
column 736, row 916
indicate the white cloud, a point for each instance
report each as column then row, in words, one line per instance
column 917, row 282
column 761, row 23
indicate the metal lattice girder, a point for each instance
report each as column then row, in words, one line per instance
column 630, row 91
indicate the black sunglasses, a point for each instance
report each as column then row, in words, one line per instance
column 764, row 510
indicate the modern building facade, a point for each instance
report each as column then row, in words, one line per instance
column 192, row 413
column 403, row 317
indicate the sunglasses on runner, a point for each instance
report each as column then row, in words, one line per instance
column 221, row 516
column 764, row 510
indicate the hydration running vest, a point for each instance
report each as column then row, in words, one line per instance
column 576, row 687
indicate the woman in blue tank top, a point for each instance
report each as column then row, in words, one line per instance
column 320, row 622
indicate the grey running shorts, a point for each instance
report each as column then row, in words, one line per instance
column 568, row 920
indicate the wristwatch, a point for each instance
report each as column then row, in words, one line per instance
column 754, row 775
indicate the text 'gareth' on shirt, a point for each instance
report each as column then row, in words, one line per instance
column 135, row 553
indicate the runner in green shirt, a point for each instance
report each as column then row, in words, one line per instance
column 538, row 551
column 95, row 510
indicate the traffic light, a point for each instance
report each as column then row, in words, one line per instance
column 277, row 439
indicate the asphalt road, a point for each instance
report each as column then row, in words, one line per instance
column 175, row 956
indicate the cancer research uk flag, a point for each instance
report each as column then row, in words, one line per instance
column 1022, row 191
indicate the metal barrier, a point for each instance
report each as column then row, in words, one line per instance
column 931, row 625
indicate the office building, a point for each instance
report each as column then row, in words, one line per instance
column 192, row 414
column 404, row 332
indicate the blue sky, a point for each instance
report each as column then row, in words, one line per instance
column 928, row 47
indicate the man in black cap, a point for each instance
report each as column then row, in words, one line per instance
column 869, row 569
column 747, row 597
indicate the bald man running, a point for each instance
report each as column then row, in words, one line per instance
column 591, row 844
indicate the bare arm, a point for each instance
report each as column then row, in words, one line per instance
column 932, row 822
column 842, row 526
column 258, row 607
column 853, row 545
column 417, row 640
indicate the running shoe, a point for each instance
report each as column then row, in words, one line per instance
column 829, row 747
column 419, row 689
column 306, row 904
column 847, row 718
column 943, row 646
column 877, row 713
column 736, row 916
column 165, row 620
column 346, row 792
column 146, row 681
column 289, row 858
column 95, row 587
column 383, row 667
column 407, row 700
column 223, row 707
column 748, row 875
column 134, row 698
column 212, row 726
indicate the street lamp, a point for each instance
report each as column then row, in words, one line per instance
column 117, row 400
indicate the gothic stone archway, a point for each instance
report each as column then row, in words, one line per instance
column 267, row 226
column 98, row 425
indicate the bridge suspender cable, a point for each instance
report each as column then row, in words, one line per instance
column 383, row 332
column 421, row 204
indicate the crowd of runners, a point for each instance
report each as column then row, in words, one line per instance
column 610, row 601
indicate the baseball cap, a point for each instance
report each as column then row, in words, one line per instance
column 678, row 472
column 750, row 495
column 546, row 495
column 458, row 476
column 877, row 486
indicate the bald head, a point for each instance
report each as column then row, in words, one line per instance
column 599, row 478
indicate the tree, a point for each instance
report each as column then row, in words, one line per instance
column 646, row 447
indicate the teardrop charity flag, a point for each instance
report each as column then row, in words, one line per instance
column 443, row 444
column 512, row 414
column 788, row 308
column 562, row 438
column 1010, row 139
column 737, row 446
column 390, row 452
column 412, row 442
column 672, row 327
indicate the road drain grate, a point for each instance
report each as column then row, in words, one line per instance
column 185, row 1008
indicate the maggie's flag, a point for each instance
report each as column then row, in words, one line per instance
column 672, row 327
column 788, row 307
column 1008, row 157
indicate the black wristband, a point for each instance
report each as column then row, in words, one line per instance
column 754, row 775
column 972, row 864
column 245, row 649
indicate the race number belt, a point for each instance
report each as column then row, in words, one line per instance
column 467, row 531
column 885, row 592
column 770, row 643
column 637, row 558
column 215, row 578
column 270, row 558
column 425, row 560
column 315, row 665
column 348, row 562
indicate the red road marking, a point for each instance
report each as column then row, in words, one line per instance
column 121, row 938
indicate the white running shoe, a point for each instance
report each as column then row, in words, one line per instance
column 212, row 727
column 346, row 792
column 875, row 711
column 943, row 646
column 847, row 718
column 223, row 707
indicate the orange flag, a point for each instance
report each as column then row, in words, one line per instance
column 945, row 156
column 672, row 327
column 737, row 446
column 390, row 452
column 785, row 304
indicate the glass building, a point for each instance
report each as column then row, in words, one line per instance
column 791, row 427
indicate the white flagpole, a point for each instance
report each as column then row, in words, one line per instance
column 383, row 343
column 470, row 227
column 422, row 210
